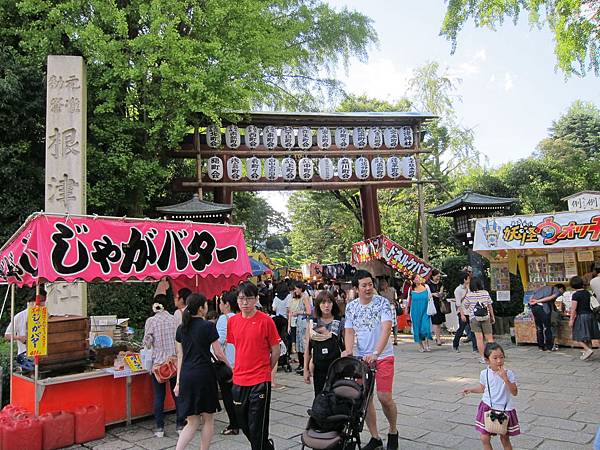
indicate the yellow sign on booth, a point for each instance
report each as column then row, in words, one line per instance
column 134, row 361
column 37, row 331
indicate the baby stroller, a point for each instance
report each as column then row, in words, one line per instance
column 281, row 324
column 338, row 413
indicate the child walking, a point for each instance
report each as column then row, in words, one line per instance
column 498, row 385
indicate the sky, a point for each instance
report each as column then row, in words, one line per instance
column 509, row 88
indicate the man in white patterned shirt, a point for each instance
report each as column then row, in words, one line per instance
column 369, row 318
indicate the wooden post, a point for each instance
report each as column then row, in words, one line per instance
column 423, row 218
column 370, row 212
column 198, row 160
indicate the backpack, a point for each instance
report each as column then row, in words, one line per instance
column 326, row 405
column 480, row 312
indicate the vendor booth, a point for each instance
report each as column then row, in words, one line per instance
column 56, row 247
column 543, row 249
column 383, row 257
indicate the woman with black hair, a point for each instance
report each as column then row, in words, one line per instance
column 323, row 340
column 584, row 325
column 196, row 386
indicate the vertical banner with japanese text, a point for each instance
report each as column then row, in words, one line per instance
column 37, row 331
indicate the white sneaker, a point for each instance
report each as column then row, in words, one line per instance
column 585, row 355
column 159, row 432
column 482, row 360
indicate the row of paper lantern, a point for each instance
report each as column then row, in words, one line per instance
column 288, row 137
column 288, row 169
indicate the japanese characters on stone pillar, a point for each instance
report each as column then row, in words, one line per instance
column 66, row 129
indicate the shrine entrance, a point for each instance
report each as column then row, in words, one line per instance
column 272, row 151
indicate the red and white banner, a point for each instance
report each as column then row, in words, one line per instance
column 69, row 248
column 394, row 255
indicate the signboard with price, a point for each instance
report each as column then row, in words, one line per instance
column 37, row 331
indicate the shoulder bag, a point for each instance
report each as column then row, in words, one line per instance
column 481, row 312
column 431, row 309
column 165, row 371
column 222, row 371
column 496, row 422
column 445, row 307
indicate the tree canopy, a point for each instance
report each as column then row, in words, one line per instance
column 574, row 23
column 155, row 69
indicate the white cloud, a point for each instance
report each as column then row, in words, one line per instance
column 379, row 78
column 470, row 67
column 508, row 82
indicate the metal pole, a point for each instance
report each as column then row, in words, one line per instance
column 424, row 236
column 12, row 333
column 36, row 359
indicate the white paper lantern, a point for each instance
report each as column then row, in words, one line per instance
column 409, row 167
column 215, row 168
column 359, row 137
column 213, row 136
column 287, row 138
column 270, row 137
column 272, row 169
column 342, row 137
column 234, row 168
column 394, row 167
column 390, row 137
column 305, row 169
column 323, row 137
column 252, row 137
column 362, row 168
column 232, row 136
column 253, row 168
column 325, row 168
column 406, row 137
column 378, row 167
column 344, row 168
column 375, row 137
column 304, row 138
column 288, row 168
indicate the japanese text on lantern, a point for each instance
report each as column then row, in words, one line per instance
column 37, row 331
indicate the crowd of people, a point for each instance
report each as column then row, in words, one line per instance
column 256, row 328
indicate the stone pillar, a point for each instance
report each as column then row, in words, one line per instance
column 66, row 140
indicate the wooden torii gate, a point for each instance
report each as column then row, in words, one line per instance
column 278, row 151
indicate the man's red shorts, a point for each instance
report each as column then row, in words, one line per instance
column 384, row 378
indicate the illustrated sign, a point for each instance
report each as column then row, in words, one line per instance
column 134, row 362
column 37, row 331
column 560, row 230
column 394, row 255
column 58, row 248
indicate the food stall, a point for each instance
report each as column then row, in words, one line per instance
column 383, row 257
column 543, row 249
column 58, row 247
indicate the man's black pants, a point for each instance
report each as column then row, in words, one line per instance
column 252, row 404
column 543, row 327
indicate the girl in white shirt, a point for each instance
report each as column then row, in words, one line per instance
column 498, row 385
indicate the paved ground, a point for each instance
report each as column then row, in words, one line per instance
column 558, row 404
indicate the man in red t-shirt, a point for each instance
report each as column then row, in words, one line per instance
column 256, row 342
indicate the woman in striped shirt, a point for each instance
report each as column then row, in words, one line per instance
column 481, row 325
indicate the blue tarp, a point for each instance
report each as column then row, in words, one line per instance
column 257, row 267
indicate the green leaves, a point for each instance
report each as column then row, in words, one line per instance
column 575, row 24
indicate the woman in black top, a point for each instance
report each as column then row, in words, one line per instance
column 583, row 323
column 196, row 386
column 437, row 291
column 323, row 340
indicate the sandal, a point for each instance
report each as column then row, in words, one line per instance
column 230, row 431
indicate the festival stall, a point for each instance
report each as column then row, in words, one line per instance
column 383, row 257
column 543, row 249
column 54, row 247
